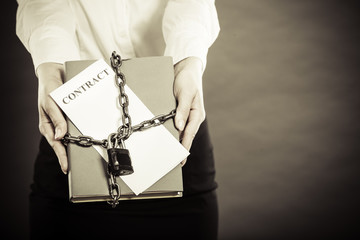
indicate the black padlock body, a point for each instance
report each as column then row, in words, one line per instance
column 119, row 161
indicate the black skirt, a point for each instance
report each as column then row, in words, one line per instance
column 193, row 216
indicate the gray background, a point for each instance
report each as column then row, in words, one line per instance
column 281, row 92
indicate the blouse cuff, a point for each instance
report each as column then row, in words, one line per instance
column 49, row 47
column 183, row 45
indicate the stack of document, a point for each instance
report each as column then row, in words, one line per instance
column 90, row 100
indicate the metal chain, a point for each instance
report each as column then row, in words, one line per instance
column 120, row 80
column 86, row 141
column 114, row 187
column 155, row 121
column 83, row 141
column 126, row 129
column 123, row 132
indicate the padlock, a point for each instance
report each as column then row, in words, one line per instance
column 119, row 158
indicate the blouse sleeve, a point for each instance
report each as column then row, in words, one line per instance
column 190, row 27
column 47, row 30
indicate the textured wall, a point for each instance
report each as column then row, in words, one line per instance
column 282, row 98
column 282, row 94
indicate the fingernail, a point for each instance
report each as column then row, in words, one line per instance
column 57, row 133
column 183, row 162
column 181, row 125
column 64, row 169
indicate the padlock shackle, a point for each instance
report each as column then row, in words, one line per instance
column 112, row 141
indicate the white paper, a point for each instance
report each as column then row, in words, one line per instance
column 93, row 107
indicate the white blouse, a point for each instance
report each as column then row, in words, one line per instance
column 64, row 30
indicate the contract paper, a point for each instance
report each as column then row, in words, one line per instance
column 91, row 101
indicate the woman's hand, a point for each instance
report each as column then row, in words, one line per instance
column 190, row 111
column 52, row 123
